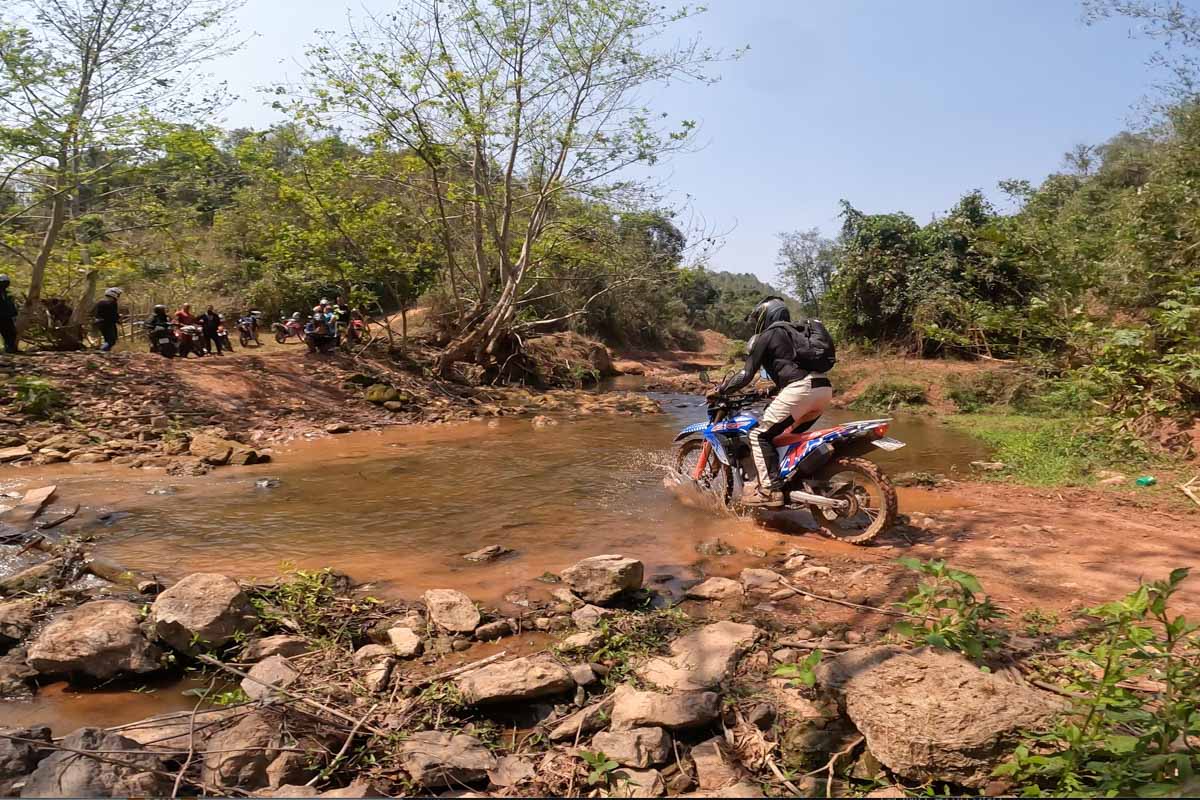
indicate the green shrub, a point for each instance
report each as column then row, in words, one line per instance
column 38, row 397
column 887, row 394
column 736, row 352
column 949, row 610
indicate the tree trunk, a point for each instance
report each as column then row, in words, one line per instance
column 58, row 213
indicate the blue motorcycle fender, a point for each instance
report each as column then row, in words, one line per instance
column 699, row 427
column 717, row 446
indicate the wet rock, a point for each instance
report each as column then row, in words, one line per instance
column 275, row 672
column 601, row 579
column 30, row 505
column 489, row 553
column 582, row 641
column 66, row 774
column 637, row 709
column 435, row 759
column 395, row 406
column 636, row 747
column 32, row 578
column 18, row 758
column 460, row 645
column 381, row 393
column 16, row 677
column 511, row 771
column 518, row 679
column 161, row 491
column 267, row 483
column 931, row 714
column 583, row 722
column 338, row 427
column 212, row 449
column 452, row 610
column 715, row 547
column 589, row 617
column 188, row 467
column 716, row 589
column 377, row 663
column 989, row 466
column 758, row 580
column 714, row 769
column 238, row 756
column 494, row 630
column 281, row 645
column 203, row 607
column 542, row 421
column 101, row 639
column 404, row 641
column 701, row 659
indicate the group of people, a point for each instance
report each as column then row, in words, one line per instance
column 211, row 340
column 328, row 323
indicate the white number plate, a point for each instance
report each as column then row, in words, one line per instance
column 888, row 443
column 163, row 341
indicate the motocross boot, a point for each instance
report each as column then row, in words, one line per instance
column 763, row 497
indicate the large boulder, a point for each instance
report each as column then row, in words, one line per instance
column 17, row 619
column 217, row 451
column 452, row 610
column 636, row 747
column 101, row 639
column 436, row 759
column 933, row 715
column 636, row 709
column 601, row 579
column 701, row 659
column 20, row 754
column 716, row 589
column 518, row 679
column 202, row 608
column 120, row 774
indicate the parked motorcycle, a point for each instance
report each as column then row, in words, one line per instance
column 223, row 336
column 824, row 471
column 163, row 339
column 189, row 340
column 288, row 328
column 247, row 328
column 356, row 329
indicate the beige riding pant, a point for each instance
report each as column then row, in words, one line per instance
column 796, row 402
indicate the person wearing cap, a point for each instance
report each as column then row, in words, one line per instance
column 8, row 316
column 107, row 316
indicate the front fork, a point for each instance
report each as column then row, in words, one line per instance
column 706, row 451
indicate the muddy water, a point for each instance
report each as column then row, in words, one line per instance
column 401, row 507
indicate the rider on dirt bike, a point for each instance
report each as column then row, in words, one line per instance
column 802, row 394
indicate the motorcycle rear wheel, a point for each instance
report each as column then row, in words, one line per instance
column 872, row 500
column 718, row 478
column 244, row 340
column 281, row 337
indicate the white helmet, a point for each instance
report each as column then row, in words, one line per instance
column 114, row 292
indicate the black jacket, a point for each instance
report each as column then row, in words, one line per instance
column 774, row 351
column 106, row 311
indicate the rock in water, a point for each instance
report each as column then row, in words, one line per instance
column 701, row 659
column 635, row 709
column 202, row 607
column 518, row 679
column 101, row 639
column 65, row 774
column 489, row 553
column 405, row 642
column 716, row 589
column 933, row 715
column 636, row 747
column 435, row 759
column 601, row 579
column 452, row 610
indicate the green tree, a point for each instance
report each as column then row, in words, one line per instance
column 806, row 263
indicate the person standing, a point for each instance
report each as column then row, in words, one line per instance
column 184, row 315
column 210, row 324
column 107, row 316
column 8, row 316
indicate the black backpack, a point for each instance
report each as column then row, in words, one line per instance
column 813, row 345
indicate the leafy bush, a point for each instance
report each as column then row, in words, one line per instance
column 886, row 394
column 974, row 391
column 736, row 352
column 949, row 610
column 1130, row 730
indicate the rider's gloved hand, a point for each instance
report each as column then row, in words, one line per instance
column 713, row 397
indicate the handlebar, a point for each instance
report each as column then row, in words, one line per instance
column 739, row 400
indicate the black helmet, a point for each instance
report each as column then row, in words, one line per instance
column 160, row 309
column 768, row 312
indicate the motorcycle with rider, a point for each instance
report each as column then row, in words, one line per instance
column 776, row 461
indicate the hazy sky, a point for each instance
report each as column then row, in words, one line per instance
column 890, row 105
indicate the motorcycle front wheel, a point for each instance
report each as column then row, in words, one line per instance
column 870, row 495
column 281, row 336
column 717, row 478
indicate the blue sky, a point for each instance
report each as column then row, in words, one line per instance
column 894, row 106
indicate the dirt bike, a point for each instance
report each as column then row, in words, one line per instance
column 288, row 328
column 356, row 329
column 247, row 328
column 189, row 340
column 163, row 340
column 824, row 471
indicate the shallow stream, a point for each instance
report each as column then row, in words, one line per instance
column 400, row 507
